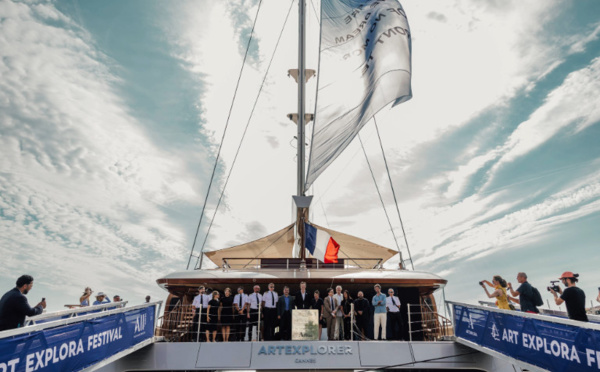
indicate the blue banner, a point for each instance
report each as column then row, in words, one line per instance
column 552, row 346
column 76, row 346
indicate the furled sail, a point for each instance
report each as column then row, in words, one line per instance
column 365, row 64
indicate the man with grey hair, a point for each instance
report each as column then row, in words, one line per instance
column 339, row 314
column 525, row 293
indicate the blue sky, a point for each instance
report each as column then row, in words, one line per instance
column 111, row 113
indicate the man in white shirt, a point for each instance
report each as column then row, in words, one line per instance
column 198, row 310
column 394, row 319
column 339, row 314
column 240, row 309
column 269, row 304
column 254, row 301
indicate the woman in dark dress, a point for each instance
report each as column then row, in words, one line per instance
column 317, row 303
column 212, row 317
column 347, row 310
column 226, row 314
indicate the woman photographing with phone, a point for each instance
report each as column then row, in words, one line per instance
column 500, row 291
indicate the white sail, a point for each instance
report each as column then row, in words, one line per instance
column 365, row 64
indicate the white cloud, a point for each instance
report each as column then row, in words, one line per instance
column 80, row 181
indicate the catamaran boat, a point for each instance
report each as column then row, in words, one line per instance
column 365, row 49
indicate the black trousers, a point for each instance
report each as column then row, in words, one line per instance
column 394, row 323
column 197, row 321
column 285, row 326
column 241, row 320
column 270, row 321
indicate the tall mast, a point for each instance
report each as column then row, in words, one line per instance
column 301, row 123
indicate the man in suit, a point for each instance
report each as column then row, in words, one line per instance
column 330, row 305
column 302, row 298
column 284, row 314
column 14, row 305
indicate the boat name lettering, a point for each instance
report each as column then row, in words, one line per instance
column 304, row 350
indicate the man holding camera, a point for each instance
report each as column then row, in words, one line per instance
column 14, row 305
column 572, row 296
column 525, row 294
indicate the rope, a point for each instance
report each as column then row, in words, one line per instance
column 379, row 193
column 222, row 140
column 244, row 134
column 393, row 193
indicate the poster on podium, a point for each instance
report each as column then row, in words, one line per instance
column 305, row 325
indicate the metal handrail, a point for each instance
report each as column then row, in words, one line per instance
column 253, row 263
column 64, row 314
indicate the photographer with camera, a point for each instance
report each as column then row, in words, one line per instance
column 573, row 296
column 525, row 293
column 500, row 293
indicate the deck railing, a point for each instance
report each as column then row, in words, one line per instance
column 425, row 321
column 296, row 263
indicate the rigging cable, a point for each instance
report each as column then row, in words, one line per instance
column 243, row 136
column 393, row 193
column 380, row 198
column 214, row 171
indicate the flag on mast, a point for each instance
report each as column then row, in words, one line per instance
column 321, row 245
column 365, row 64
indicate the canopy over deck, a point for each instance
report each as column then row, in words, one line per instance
column 280, row 244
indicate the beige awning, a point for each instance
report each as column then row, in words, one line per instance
column 280, row 244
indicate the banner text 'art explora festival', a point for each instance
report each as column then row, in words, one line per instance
column 76, row 346
column 552, row 346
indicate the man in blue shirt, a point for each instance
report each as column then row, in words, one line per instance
column 525, row 293
column 284, row 313
column 380, row 316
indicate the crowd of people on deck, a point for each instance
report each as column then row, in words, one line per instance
column 529, row 298
column 238, row 315
column 14, row 306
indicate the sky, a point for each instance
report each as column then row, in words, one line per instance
column 112, row 114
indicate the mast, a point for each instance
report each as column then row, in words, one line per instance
column 301, row 122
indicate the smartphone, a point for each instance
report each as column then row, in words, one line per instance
column 43, row 299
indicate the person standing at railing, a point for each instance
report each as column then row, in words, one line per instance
column 339, row 314
column 302, row 298
column 269, row 305
column 14, row 306
column 84, row 300
column 254, row 301
column 347, row 311
column 212, row 317
column 200, row 311
column 525, row 294
column 240, row 306
column 317, row 304
column 392, row 304
column 330, row 306
column 598, row 298
column 361, row 306
column 284, row 314
column 226, row 314
column 380, row 316
column 499, row 293
column 101, row 299
column 573, row 296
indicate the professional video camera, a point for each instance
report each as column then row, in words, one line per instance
column 553, row 286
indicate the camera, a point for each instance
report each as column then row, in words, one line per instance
column 553, row 286
column 481, row 283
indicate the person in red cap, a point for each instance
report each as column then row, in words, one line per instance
column 572, row 296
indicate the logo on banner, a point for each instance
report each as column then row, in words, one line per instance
column 495, row 333
column 471, row 329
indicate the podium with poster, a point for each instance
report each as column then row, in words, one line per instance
column 305, row 325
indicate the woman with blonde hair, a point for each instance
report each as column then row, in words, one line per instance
column 499, row 294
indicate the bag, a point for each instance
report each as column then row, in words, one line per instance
column 511, row 306
column 537, row 297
